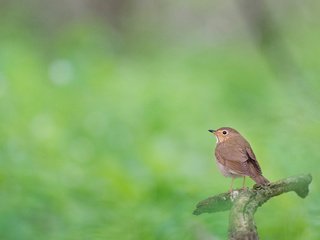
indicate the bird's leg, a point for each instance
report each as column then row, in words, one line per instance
column 244, row 183
column 231, row 187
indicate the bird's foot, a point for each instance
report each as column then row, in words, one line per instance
column 260, row 187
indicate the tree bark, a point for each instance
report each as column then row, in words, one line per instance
column 244, row 203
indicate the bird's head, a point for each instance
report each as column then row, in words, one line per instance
column 224, row 133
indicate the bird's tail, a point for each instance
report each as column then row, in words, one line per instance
column 261, row 180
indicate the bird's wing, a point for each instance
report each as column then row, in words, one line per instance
column 232, row 153
column 236, row 167
column 252, row 160
column 241, row 159
column 235, row 160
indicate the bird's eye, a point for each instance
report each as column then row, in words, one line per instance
column 224, row 132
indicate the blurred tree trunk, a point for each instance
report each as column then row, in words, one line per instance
column 268, row 37
column 115, row 12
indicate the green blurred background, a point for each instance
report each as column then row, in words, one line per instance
column 105, row 107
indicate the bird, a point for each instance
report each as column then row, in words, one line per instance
column 235, row 157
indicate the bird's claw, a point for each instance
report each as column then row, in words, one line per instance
column 259, row 187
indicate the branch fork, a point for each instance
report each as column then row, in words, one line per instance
column 244, row 203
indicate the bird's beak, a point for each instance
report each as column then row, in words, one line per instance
column 212, row 131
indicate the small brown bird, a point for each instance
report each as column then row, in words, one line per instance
column 235, row 157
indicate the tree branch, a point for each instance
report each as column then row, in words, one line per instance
column 244, row 203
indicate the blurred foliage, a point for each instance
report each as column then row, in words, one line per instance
column 104, row 133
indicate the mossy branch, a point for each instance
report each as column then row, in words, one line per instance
column 244, row 203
